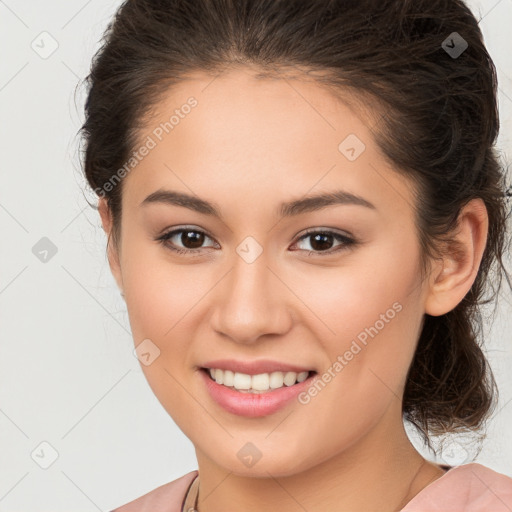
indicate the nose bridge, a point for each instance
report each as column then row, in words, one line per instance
column 250, row 301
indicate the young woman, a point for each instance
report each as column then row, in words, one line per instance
column 304, row 206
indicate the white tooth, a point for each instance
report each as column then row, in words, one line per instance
column 256, row 383
column 260, row 382
column 290, row 378
column 228, row 377
column 219, row 376
column 276, row 380
column 302, row 376
column 242, row 381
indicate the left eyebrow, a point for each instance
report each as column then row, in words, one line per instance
column 287, row 209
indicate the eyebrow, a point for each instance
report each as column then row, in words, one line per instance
column 287, row 209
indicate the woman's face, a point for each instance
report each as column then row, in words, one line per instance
column 249, row 297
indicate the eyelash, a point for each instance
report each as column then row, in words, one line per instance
column 347, row 242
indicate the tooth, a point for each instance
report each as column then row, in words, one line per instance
column 256, row 383
column 290, row 378
column 219, row 374
column 242, row 381
column 302, row 376
column 276, row 380
column 228, row 377
column 260, row 382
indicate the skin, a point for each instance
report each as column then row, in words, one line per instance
column 249, row 145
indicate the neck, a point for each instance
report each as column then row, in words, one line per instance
column 381, row 472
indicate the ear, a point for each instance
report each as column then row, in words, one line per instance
column 112, row 253
column 455, row 273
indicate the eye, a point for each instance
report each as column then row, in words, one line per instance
column 191, row 238
column 322, row 240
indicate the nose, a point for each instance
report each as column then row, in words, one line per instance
column 250, row 302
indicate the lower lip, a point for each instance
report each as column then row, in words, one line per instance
column 253, row 405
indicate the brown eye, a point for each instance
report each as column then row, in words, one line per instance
column 322, row 242
column 191, row 240
column 194, row 238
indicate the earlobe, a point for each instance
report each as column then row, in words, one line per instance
column 112, row 252
column 460, row 261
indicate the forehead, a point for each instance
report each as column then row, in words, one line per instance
column 270, row 136
column 244, row 102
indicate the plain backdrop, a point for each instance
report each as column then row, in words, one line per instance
column 80, row 429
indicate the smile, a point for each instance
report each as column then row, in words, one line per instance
column 246, row 389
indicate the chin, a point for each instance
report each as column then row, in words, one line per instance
column 249, row 461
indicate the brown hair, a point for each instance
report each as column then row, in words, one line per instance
column 442, row 132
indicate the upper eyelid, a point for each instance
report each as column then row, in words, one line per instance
column 333, row 231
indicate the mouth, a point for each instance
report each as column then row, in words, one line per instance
column 259, row 383
column 257, row 393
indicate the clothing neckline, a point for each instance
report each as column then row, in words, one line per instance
column 448, row 471
column 190, row 499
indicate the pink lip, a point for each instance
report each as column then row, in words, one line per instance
column 254, row 367
column 253, row 405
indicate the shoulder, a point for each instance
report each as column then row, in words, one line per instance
column 470, row 487
column 166, row 498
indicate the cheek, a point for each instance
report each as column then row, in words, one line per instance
column 363, row 293
column 159, row 292
column 161, row 299
column 166, row 316
column 372, row 309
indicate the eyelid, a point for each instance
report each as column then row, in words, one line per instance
column 185, row 227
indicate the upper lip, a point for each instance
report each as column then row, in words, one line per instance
column 254, row 367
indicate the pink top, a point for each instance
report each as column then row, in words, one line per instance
column 467, row 488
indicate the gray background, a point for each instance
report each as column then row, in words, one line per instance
column 67, row 373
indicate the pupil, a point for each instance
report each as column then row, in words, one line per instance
column 322, row 245
column 197, row 238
